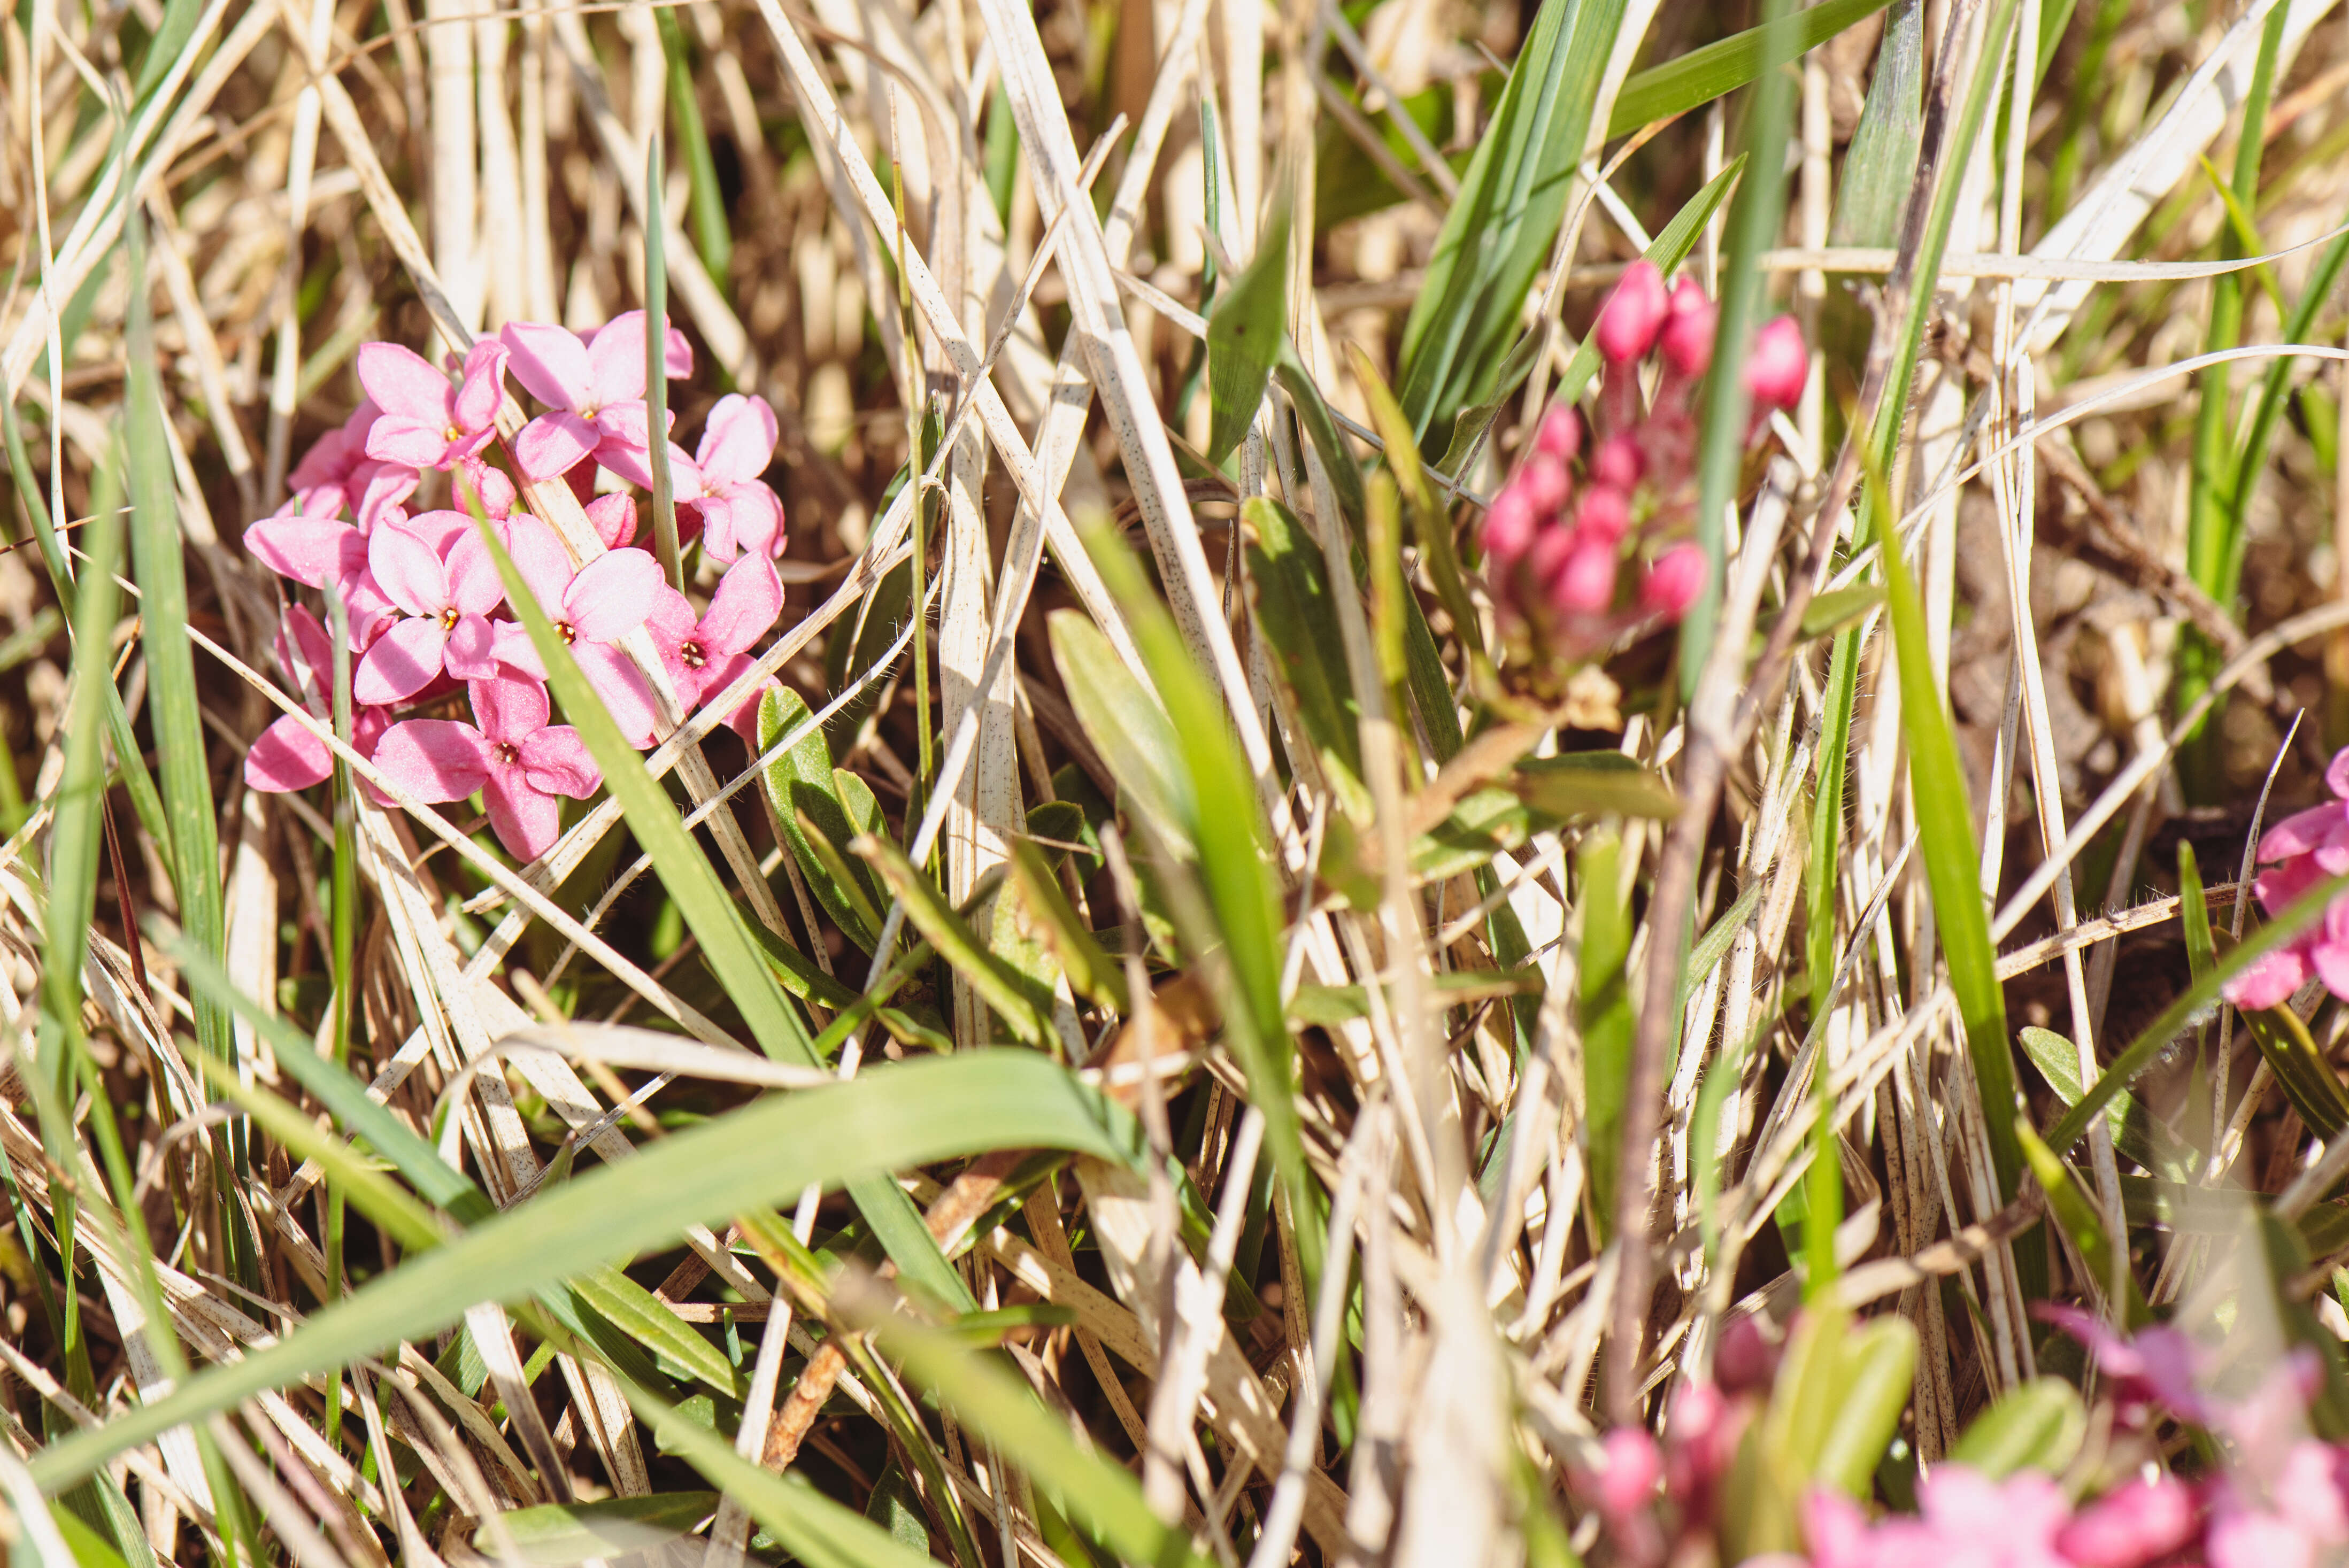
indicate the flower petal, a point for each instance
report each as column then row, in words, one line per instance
column 2270, row 980
column 550, row 362
column 408, row 568
column 472, row 651
column 483, row 386
column 609, row 597
column 310, row 551
column 382, row 486
column 614, row 519
column 433, row 759
column 623, row 687
column 510, row 645
column 552, row 444
column 616, row 358
column 475, row 586
column 2302, row 831
column 401, row 661
column 286, row 756
column 558, row 762
column 538, row 554
column 396, row 438
column 508, row 708
column 527, row 820
column 749, row 599
column 738, row 441
column 403, row 384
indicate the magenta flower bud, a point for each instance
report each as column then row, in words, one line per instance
column 2137, row 1522
column 1674, row 580
column 1549, row 553
column 1687, row 338
column 1584, row 583
column 1543, row 483
column 1632, row 1467
column 1509, row 525
column 1605, row 513
column 1560, row 435
column 1619, row 462
column 1778, row 367
column 1746, row 1360
column 1634, row 313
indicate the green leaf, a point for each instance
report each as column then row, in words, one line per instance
column 1505, row 220
column 1842, row 608
column 2139, row 1136
column 891, row 1117
column 1003, row 988
column 894, row 1506
column 1604, row 1008
column 558, row 1535
column 802, row 784
column 1827, row 819
column 2302, row 1071
column 715, row 920
column 638, row 1314
column 1313, row 414
column 1879, row 1368
column 1945, row 831
column 2035, row 1426
column 1430, row 522
column 1882, row 161
column 1288, row 590
column 1091, row 972
column 1332, row 1005
column 1590, row 784
column 2080, row 1219
column 1247, row 328
column 857, row 643
column 1125, row 724
column 1719, row 68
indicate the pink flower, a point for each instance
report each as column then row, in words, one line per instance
column 517, row 761
column 1632, row 315
column 702, row 655
column 447, row 604
column 2298, row 852
column 315, row 552
column 1674, row 580
column 592, row 608
column 286, row 755
column 738, row 513
column 1779, row 365
column 2158, row 1365
column 485, row 484
column 2137, row 1522
column 426, row 423
column 580, row 379
column 1560, row 435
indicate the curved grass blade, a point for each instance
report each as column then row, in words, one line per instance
column 1702, row 74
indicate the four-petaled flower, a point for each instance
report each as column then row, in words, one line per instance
column 739, row 515
column 447, row 626
column 703, row 655
column 586, row 383
column 426, row 423
column 592, row 607
column 516, row 760
column 288, row 755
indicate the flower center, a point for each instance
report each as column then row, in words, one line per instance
column 450, row 617
column 506, row 752
column 567, row 632
column 692, row 653
column 452, row 435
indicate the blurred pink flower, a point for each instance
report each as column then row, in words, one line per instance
column 518, row 762
column 426, row 423
column 1778, row 365
column 581, row 378
column 1628, row 323
column 2298, row 852
column 447, row 604
column 702, row 654
column 2138, row 1522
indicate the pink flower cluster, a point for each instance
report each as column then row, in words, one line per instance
column 427, row 610
column 2304, row 849
column 1556, row 554
column 2281, row 1498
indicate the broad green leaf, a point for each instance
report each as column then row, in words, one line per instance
column 1590, row 784
column 558, row 1535
column 1879, row 1368
column 1504, row 221
column 891, row 1117
column 1004, row 989
column 713, row 917
column 1719, row 68
column 2139, row 1135
column 2036, row 1425
column 1603, row 1008
column 1833, row 1409
column 638, row 1314
column 1289, row 592
column 894, row 1506
column 1882, row 161
column 1125, row 724
column 2080, row 1219
column 1091, row 972
column 1945, row 831
column 801, row 783
column 1247, row 328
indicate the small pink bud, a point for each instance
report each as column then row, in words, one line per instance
column 1619, row 462
column 1605, row 513
column 1687, row 338
column 1584, row 583
column 1543, row 482
column 1560, row 436
column 1674, row 580
column 1509, row 525
column 1549, row 553
column 1630, row 320
column 1632, row 1466
column 1779, row 365
column 613, row 518
column 1746, row 1360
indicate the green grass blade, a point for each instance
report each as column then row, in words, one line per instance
column 714, row 919
column 892, row 1119
column 1705, row 74
column 1882, row 162
column 665, row 543
column 1008, row 994
column 2076, row 1213
column 707, row 203
column 1126, row 725
column 801, row 786
column 1246, row 331
column 1289, row 592
column 1604, row 1007
column 80, row 798
column 1827, row 817
column 1502, row 225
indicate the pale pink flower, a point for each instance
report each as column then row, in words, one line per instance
column 426, row 423
column 614, row 519
column 447, row 625
column 315, row 552
column 699, row 652
column 580, row 379
column 518, row 761
column 592, row 607
column 336, row 475
column 739, row 515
